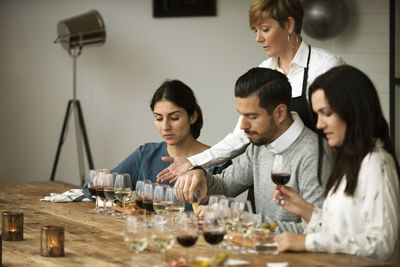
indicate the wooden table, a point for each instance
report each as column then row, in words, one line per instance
column 97, row 240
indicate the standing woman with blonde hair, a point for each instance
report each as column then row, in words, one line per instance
column 360, row 214
column 277, row 24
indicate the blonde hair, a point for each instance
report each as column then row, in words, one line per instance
column 279, row 10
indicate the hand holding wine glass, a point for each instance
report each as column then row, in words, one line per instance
column 280, row 173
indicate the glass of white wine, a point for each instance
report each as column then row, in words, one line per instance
column 163, row 233
column 159, row 202
column 123, row 189
column 136, row 235
column 243, row 220
column 177, row 206
column 109, row 193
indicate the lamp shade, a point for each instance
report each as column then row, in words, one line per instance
column 85, row 29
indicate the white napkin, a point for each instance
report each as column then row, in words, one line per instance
column 278, row 264
column 72, row 195
column 231, row 262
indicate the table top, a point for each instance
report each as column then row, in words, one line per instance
column 97, row 240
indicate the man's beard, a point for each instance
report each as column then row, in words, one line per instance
column 267, row 137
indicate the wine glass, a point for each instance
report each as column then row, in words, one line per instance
column 187, row 230
column 100, row 190
column 159, row 202
column 123, row 189
column 213, row 227
column 244, row 220
column 214, row 202
column 136, row 235
column 148, row 196
column 163, row 233
column 92, row 188
column 177, row 206
column 227, row 213
column 109, row 181
column 139, row 193
column 280, row 173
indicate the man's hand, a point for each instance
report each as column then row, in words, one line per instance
column 295, row 203
column 290, row 241
column 188, row 183
column 178, row 167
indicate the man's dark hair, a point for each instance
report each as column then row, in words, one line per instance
column 273, row 88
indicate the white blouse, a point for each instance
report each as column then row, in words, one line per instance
column 366, row 224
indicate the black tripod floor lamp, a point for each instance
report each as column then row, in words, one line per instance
column 73, row 34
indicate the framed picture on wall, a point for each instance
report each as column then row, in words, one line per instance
column 184, row 8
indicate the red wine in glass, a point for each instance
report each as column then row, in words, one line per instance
column 214, row 237
column 187, row 240
column 280, row 173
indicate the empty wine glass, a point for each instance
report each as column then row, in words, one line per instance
column 163, row 233
column 109, row 192
column 159, row 202
column 187, row 231
column 123, row 189
column 177, row 206
column 280, row 173
column 244, row 220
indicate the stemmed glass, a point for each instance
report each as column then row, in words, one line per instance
column 100, row 190
column 92, row 188
column 244, row 220
column 163, row 233
column 109, row 181
column 280, row 173
column 227, row 213
column 187, row 231
column 139, row 193
column 159, row 202
column 177, row 206
column 136, row 234
column 213, row 227
column 123, row 189
column 148, row 196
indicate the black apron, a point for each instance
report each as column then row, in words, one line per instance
column 300, row 104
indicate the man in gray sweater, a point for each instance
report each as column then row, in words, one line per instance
column 272, row 129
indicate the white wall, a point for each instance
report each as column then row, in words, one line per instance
column 116, row 80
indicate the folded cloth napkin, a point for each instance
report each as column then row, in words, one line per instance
column 72, row 195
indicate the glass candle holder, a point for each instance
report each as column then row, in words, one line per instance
column 52, row 241
column 13, row 226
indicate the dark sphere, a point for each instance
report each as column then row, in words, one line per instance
column 324, row 19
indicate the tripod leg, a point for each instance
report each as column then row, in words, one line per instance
column 85, row 138
column 61, row 141
column 79, row 149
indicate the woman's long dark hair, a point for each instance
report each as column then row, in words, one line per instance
column 352, row 95
column 182, row 96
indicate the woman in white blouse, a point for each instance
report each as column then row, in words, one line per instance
column 360, row 214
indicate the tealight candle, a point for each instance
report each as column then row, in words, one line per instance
column 13, row 226
column 52, row 241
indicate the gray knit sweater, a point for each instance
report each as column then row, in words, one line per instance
column 254, row 167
